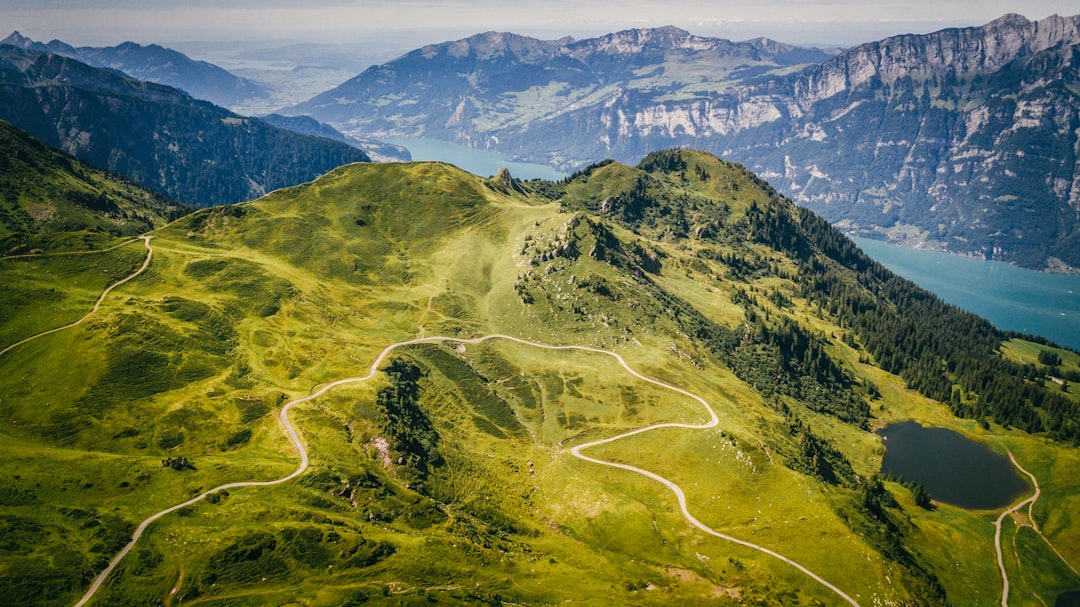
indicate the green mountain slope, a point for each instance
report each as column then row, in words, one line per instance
column 448, row 477
column 51, row 201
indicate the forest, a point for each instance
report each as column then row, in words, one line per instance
column 941, row 351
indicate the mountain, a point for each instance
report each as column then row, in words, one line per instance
column 958, row 140
column 157, row 136
column 158, row 64
column 961, row 140
column 504, row 81
column 306, row 125
column 51, row 201
column 457, row 470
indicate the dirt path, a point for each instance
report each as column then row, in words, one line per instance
column 997, row 530
column 175, row 589
column 104, row 294
column 294, row 436
column 1030, row 503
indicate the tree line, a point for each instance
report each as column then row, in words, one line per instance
column 938, row 349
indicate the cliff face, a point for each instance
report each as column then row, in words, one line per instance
column 963, row 140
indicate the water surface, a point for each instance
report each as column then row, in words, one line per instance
column 1068, row 599
column 951, row 467
column 477, row 162
column 1010, row 297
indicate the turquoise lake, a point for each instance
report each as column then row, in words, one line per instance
column 477, row 162
column 1012, row 298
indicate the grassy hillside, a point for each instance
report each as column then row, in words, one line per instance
column 447, row 478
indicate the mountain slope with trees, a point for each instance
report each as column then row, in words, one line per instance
column 50, row 201
column 157, row 136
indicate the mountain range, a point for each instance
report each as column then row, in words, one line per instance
column 960, row 140
column 155, row 63
column 647, row 383
column 158, row 136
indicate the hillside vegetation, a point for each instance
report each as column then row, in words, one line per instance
column 447, row 478
column 49, row 201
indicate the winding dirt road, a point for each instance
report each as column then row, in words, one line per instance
column 1030, row 503
column 576, row 452
column 294, row 436
column 997, row 529
column 146, row 263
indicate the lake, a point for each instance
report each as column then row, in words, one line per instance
column 477, row 162
column 951, row 467
column 1010, row 297
column 1068, row 599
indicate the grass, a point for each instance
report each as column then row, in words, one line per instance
column 1027, row 352
column 246, row 307
column 51, row 202
column 44, row 292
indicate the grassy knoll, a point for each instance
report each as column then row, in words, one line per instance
column 43, row 292
column 448, row 478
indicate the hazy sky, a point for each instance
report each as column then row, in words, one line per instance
column 836, row 22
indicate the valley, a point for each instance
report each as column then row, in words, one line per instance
column 445, row 462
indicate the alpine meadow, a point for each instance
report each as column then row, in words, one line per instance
column 655, row 382
column 450, row 476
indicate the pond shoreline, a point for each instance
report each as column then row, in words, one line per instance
column 953, row 468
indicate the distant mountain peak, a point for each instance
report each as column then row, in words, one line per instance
column 659, row 38
column 1009, row 19
column 22, row 42
column 17, row 39
column 491, row 44
column 155, row 63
